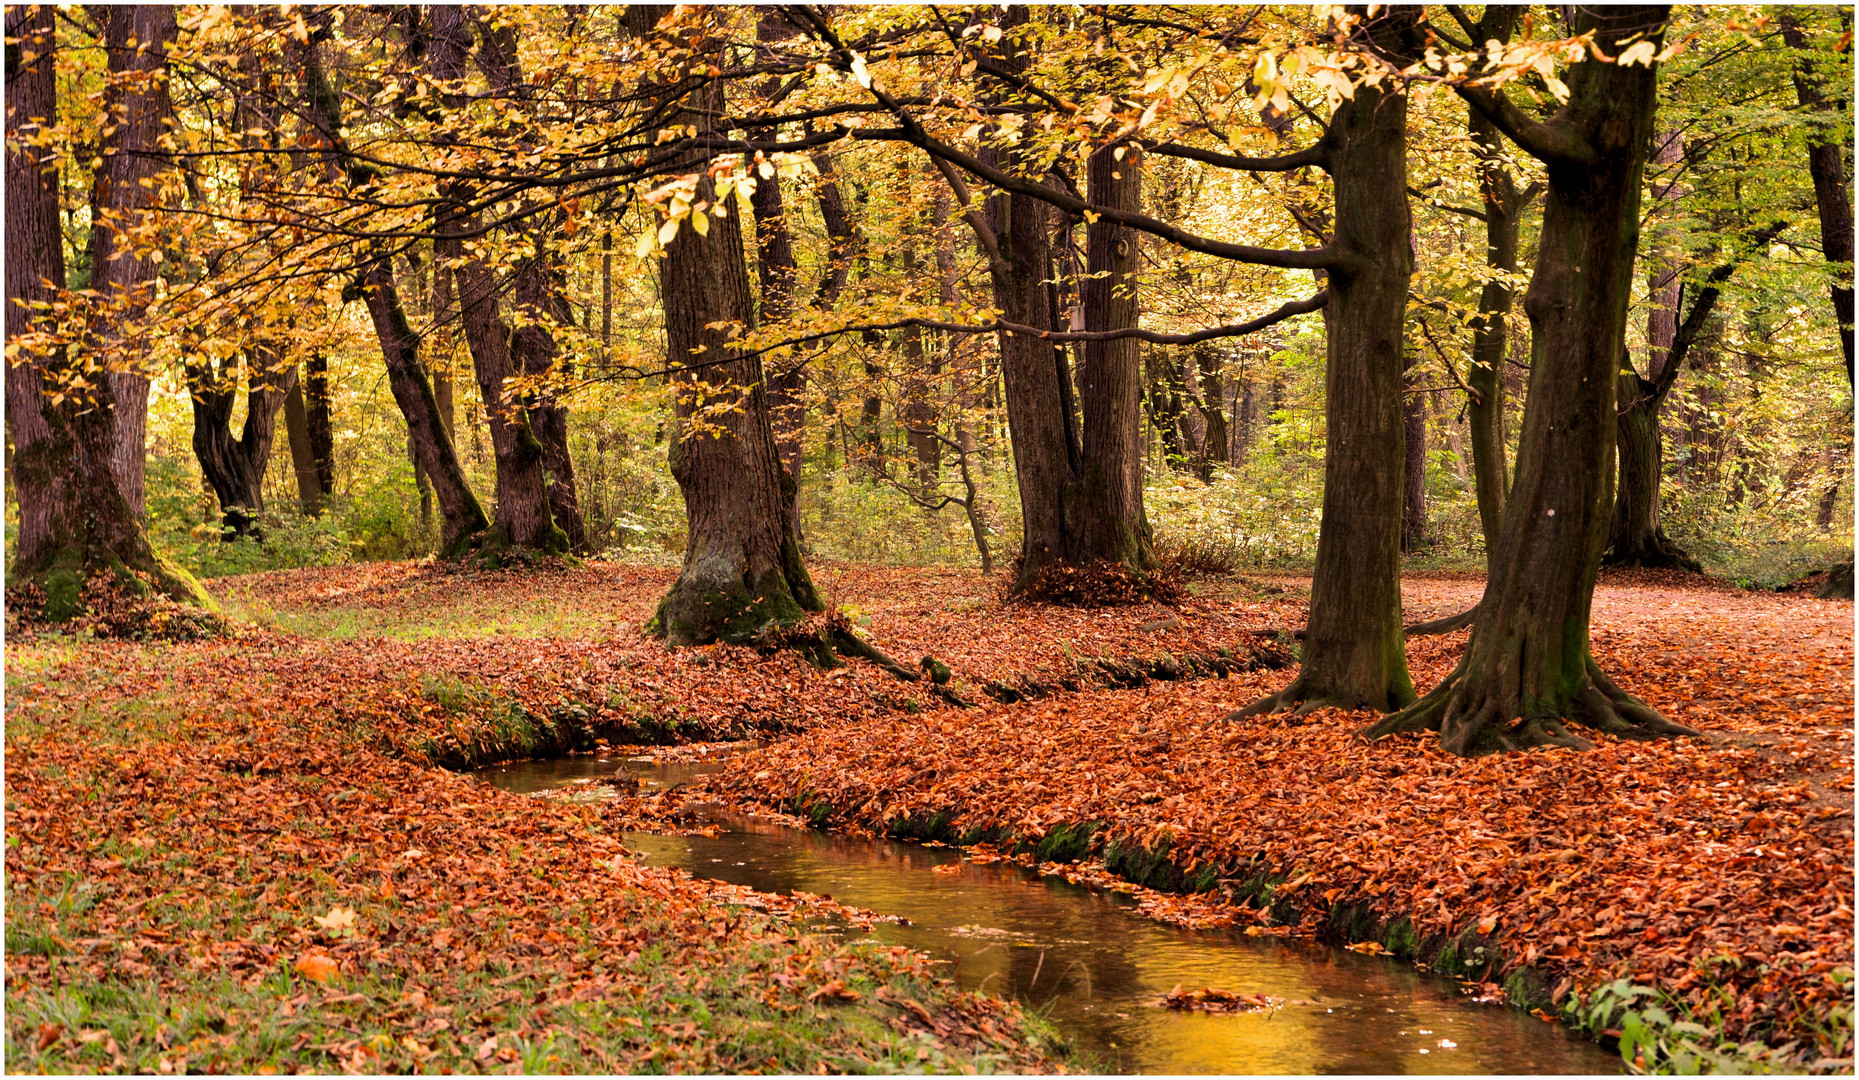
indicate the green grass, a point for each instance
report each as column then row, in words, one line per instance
column 469, row 617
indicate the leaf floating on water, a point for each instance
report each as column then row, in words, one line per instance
column 1208, row 999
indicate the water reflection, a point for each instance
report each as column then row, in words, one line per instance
column 1099, row 970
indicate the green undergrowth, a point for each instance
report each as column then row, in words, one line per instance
column 483, row 726
column 1637, row 1020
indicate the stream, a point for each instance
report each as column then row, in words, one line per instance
column 1084, row 958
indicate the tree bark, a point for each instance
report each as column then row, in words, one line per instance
column 1354, row 651
column 136, row 40
column 462, row 517
column 1529, row 665
column 235, row 467
column 1636, row 536
column 1503, row 204
column 310, row 493
column 319, row 420
column 75, row 518
column 742, row 562
column 1827, row 152
column 541, row 301
column 1414, row 475
column 1108, row 522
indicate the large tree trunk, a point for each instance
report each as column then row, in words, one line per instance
column 742, row 562
column 1529, row 664
column 1108, row 520
column 540, row 297
column 74, row 517
column 1354, row 650
column 136, row 39
column 524, row 516
column 235, row 467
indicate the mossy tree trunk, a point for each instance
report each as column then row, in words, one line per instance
column 1529, row 666
column 74, row 517
column 742, row 563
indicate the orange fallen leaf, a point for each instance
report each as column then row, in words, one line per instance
column 315, row 967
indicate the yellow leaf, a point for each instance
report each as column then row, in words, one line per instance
column 701, row 222
column 668, row 231
column 340, row 918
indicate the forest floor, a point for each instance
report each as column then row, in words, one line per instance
column 236, row 854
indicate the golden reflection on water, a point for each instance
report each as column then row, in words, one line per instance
column 1100, row 971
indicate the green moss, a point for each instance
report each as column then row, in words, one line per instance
column 1066, row 843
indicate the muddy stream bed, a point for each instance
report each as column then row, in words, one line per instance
column 1084, row 958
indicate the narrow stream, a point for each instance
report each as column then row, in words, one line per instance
column 1099, row 970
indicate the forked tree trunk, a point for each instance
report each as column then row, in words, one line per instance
column 541, row 302
column 1354, row 650
column 1529, row 665
column 742, row 562
column 1108, row 520
column 1490, row 335
column 74, row 518
column 235, row 466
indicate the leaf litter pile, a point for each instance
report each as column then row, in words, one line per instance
column 236, row 853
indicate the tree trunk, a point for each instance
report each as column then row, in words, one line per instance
column 779, row 276
column 1529, row 664
column 539, row 296
column 136, row 39
column 1827, row 151
column 74, row 517
column 1108, row 523
column 742, row 562
column 1414, row 486
column 1217, row 446
column 319, row 420
column 1354, row 650
column 463, row 518
column 1636, row 536
column 303, row 461
column 235, row 467
column 1503, row 204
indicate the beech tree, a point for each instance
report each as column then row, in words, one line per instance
column 1529, row 667
column 77, row 503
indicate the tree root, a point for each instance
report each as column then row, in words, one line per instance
column 850, row 644
column 1443, row 626
column 1659, row 553
column 1290, row 700
column 1471, row 723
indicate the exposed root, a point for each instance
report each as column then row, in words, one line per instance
column 1290, row 700
column 1658, row 553
column 1443, row 626
column 850, row 644
column 1423, row 715
column 1470, row 723
column 1282, row 701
